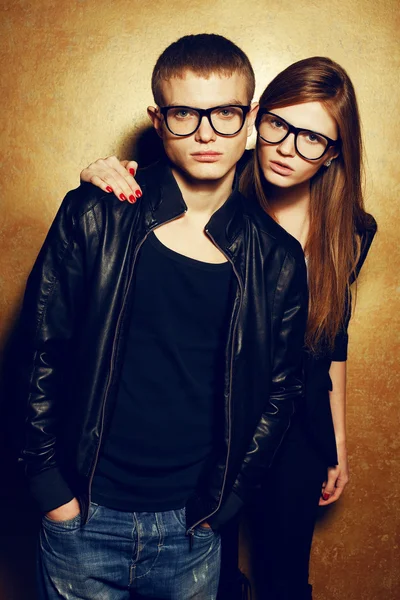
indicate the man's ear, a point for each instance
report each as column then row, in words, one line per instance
column 155, row 117
column 251, row 117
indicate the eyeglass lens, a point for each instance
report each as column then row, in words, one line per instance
column 226, row 120
column 308, row 144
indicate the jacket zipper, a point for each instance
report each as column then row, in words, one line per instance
column 113, row 355
column 190, row 531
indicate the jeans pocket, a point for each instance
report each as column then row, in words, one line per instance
column 199, row 530
column 67, row 525
column 202, row 531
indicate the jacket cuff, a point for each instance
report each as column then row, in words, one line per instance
column 228, row 510
column 50, row 490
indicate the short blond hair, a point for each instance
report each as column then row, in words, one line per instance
column 203, row 54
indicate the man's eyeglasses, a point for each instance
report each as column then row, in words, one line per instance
column 185, row 120
column 309, row 144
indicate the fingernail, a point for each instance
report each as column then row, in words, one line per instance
column 138, row 193
column 109, row 189
column 326, row 496
column 132, row 171
column 122, row 197
column 132, row 198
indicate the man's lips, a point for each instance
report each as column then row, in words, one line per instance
column 206, row 156
column 281, row 168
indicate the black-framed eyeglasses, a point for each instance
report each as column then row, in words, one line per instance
column 185, row 120
column 309, row 144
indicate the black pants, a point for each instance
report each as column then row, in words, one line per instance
column 281, row 522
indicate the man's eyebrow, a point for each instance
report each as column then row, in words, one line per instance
column 234, row 101
column 227, row 103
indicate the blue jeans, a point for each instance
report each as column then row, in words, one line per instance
column 119, row 555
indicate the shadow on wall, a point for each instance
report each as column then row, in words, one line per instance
column 144, row 146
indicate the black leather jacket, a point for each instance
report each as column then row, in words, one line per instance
column 74, row 323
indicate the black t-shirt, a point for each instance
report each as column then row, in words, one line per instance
column 169, row 406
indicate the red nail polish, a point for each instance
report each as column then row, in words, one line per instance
column 122, row 197
column 138, row 193
column 109, row 189
column 132, row 198
column 132, row 171
column 325, row 496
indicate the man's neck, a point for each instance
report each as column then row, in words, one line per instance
column 186, row 234
column 204, row 198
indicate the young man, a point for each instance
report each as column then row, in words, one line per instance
column 162, row 354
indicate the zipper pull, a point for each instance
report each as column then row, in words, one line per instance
column 190, row 533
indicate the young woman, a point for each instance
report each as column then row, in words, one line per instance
column 306, row 172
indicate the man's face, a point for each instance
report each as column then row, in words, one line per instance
column 204, row 155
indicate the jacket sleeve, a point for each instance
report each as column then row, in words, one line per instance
column 47, row 327
column 286, row 386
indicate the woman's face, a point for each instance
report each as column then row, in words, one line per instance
column 280, row 163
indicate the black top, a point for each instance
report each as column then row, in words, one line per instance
column 172, row 368
column 317, row 379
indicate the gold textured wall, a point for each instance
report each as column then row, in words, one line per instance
column 75, row 86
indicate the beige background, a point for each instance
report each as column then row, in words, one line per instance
column 75, row 86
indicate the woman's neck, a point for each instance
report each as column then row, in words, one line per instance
column 291, row 208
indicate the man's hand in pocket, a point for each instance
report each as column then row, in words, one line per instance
column 65, row 512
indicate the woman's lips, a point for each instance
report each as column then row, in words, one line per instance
column 280, row 168
column 206, row 156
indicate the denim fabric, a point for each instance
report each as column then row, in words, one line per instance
column 119, row 555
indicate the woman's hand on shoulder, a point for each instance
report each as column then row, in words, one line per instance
column 114, row 176
column 337, row 479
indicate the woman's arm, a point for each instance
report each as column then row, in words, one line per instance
column 337, row 476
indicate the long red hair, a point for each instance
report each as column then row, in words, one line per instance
column 337, row 214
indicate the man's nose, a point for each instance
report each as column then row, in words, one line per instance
column 205, row 132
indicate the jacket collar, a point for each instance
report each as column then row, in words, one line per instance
column 165, row 203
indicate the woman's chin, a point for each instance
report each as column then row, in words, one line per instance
column 283, row 181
